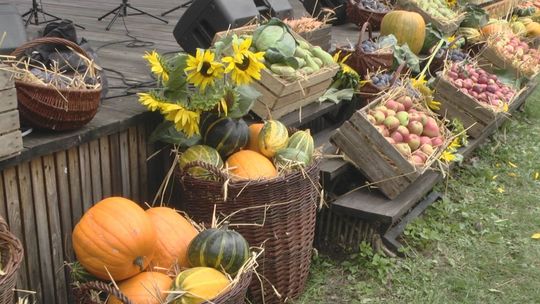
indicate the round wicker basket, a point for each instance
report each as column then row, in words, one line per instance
column 11, row 251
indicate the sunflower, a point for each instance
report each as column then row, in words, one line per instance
column 244, row 65
column 344, row 67
column 156, row 65
column 185, row 120
column 202, row 70
column 448, row 156
column 149, row 100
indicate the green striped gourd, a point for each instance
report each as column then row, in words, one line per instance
column 219, row 248
column 227, row 135
column 303, row 141
column 273, row 137
column 291, row 158
column 204, row 154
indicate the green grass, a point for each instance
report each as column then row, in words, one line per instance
column 474, row 246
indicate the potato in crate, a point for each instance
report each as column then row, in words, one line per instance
column 473, row 95
column 393, row 140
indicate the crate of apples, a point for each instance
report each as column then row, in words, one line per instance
column 413, row 131
column 516, row 53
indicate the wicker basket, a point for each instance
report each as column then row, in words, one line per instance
column 362, row 62
column 50, row 108
column 358, row 14
column 370, row 92
column 11, row 251
column 285, row 207
column 235, row 295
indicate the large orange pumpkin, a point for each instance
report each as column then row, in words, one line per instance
column 408, row 27
column 173, row 233
column 115, row 236
column 144, row 288
column 247, row 164
column 254, row 130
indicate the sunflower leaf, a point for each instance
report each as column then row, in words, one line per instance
column 176, row 87
column 336, row 95
column 166, row 132
column 245, row 100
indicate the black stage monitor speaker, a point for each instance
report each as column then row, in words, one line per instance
column 12, row 24
column 204, row 18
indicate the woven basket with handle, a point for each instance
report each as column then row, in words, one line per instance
column 363, row 62
column 358, row 14
column 11, row 252
column 55, row 108
column 83, row 292
column 284, row 209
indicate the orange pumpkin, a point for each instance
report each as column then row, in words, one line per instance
column 144, row 288
column 115, row 236
column 173, row 233
column 254, row 131
column 408, row 27
column 247, row 164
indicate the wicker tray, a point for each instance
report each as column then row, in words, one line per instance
column 284, row 208
column 50, row 108
column 11, row 251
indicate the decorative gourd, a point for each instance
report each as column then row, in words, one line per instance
column 144, row 288
column 533, row 29
column 115, row 236
column 227, row 135
column 204, row 154
column 273, row 137
column 219, row 248
column 254, row 130
column 408, row 27
column 291, row 158
column 493, row 27
column 200, row 284
column 247, row 164
column 303, row 141
column 173, row 234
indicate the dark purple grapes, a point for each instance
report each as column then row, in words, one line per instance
column 381, row 80
column 457, row 55
column 369, row 46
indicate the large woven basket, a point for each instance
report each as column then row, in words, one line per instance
column 362, row 62
column 358, row 14
column 284, row 209
column 51, row 108
column 235, row 295
column 11, row 251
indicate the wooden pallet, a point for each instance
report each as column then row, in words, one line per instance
column 10, row 134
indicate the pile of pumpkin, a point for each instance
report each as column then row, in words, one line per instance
column 116, row 240
column 262, row 152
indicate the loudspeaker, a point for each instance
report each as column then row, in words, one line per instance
column 11, row 23
column 204, row 18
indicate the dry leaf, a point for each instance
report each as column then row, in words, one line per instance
column 536, row 236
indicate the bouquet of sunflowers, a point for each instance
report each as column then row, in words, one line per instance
column 214, row 81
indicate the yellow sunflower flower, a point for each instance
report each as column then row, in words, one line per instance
column 149, row 101
column 185, row 120
column 202, row 70
column 244, row 65
column 344, row 67
column 448, row 156
column 156, row 65
column 434, row 105
column 455, row 144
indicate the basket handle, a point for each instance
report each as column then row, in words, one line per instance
column 363, row 31
column 213, row 169
column 104, row 287
column 396, row 75
column 48, row 40
column 3, row 225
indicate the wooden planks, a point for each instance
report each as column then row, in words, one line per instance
column 44, row 199
column 10, row 135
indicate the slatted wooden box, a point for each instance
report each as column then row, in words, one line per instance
column 445, row 26
column 321, row 36
column 490, row 60
column 381, row 163
column 280, row 96
column 499, row 9
column 10, row 134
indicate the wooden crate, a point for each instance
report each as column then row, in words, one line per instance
column 320, row 37
column 280, row 96
column 380, row 162
column 499, row 9
column 490, row 60
column 10, row 134
column 474, row 115
column 447, row 28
